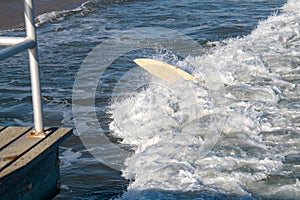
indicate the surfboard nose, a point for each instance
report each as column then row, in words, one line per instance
column 164, row 70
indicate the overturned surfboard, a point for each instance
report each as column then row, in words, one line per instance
column 163, row 70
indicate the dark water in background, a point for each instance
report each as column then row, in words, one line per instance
column 64, row 44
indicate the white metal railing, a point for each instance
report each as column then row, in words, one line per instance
column 18, row 44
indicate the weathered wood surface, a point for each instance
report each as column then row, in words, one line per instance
column 29, row 167
column 9, row 134
column 15, row 143
column 43, row 144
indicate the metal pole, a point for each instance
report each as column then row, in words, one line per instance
column 8, row 41
column 34, row 68
column 12, row 50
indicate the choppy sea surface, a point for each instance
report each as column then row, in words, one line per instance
column 233, row 135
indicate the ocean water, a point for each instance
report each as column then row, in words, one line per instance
column 234, row 135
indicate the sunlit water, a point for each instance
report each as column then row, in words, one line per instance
column 235, row 136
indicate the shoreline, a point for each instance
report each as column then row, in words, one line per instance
column 11, row 11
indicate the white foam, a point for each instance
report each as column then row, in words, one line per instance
column 174, row 128
column 60, row 15
column 68, row 156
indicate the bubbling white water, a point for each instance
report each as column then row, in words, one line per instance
column 186, row 140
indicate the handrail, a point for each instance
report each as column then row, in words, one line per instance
column 17, row 44
column 12, row 50
column 8, row 41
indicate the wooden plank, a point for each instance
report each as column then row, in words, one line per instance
column 18, row 144
column 38, row 180
column 16, row 148
column 50, row 183
column 35, row 174
column 54, row 138
column 10, row 134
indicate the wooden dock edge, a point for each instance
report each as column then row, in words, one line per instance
column 35, row 175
